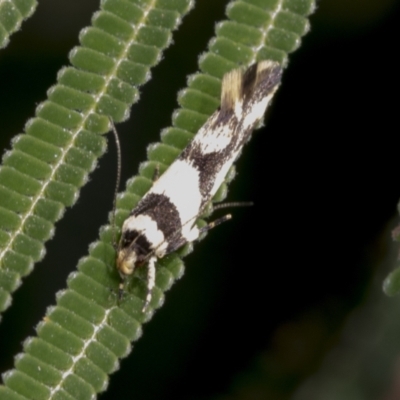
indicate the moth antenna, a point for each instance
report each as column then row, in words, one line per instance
column 118, row 181
column 151, row 258
column 213, row 224
column 233, row 204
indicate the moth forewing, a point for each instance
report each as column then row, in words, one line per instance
column 165, row 219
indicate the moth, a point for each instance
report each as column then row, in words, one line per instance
column 165, row 218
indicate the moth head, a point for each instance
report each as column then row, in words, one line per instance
column 126, row 261
column 132, row 252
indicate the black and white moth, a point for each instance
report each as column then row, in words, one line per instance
column 165, row 218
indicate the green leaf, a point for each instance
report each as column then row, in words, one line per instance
column 47, row 165
column 81, row 339
column 12, row 14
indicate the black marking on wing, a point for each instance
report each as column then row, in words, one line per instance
column 249, row 80
column 160, row 209
column 259, row 84
column 208, row 164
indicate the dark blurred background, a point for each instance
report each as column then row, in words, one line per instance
column 267, row 297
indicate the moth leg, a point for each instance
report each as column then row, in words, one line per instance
column 215, row 223
column 156, row 173
column 151, row 278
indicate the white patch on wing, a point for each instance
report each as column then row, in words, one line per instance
column 238, row 109
column 190, row 232
column 257, row 111
column 148, row 227
column 211, row 141
column 181, row 184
